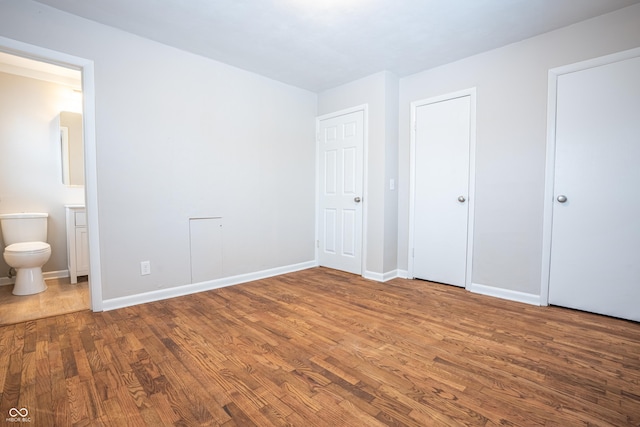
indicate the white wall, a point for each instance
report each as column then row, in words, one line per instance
column 380, row 92
column 511, row 87
column 390, row 258
column 30, row 158
column 180, row 135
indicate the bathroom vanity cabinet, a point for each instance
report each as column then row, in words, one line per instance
column 77, row 242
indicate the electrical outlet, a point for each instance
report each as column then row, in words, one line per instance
column 145, row 268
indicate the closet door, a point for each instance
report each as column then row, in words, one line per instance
column 441, row 170
column 595, row 237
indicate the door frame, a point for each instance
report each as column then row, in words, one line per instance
column 471, row 92
column 365, row 173
column 86, row 67
column 550, row 164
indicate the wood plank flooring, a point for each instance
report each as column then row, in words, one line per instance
column 61, row 297
column 324, row 348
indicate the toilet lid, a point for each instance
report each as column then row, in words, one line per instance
column 32, row 247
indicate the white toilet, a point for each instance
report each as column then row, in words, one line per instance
column 26, row 250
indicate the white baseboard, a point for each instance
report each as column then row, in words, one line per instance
column 403, row 274
column 55, row 274
column 5, row 281
column 381, row 277
column 505, row 294
column 178, row 291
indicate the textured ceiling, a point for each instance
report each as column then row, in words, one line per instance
column 319, row 44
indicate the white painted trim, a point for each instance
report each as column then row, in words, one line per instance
column 127, row 301
column 381, row 277
column 552, row 93
column 403, row 274
column 38, row 53
column 471, row 92
column 363, row 107
column 507, row 294
column 365, row 176
column 60, row 274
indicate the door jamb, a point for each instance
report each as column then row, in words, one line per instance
column 552, row 87
column 365, row 173
column 86, row 67
column 471, row 92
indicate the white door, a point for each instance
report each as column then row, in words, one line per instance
column 340, row 154
column 595, row 237
column 441, row 172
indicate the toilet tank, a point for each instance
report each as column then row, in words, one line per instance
column 23, row 227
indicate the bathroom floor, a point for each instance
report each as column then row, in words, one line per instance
column 61, row 297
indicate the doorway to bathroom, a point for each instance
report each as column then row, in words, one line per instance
column 72, row 96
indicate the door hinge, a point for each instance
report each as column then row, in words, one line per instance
column 318, row 244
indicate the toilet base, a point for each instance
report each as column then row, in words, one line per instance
column 29, row 281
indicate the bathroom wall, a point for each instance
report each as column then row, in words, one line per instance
column 30, row 158
column 181, row 136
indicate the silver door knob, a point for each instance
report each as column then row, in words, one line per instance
column 562, row 198
column 357, row 199
column 461, row 199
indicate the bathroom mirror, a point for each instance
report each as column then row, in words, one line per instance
column 72, row 148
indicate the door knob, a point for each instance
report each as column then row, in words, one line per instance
column 562, row 198
column 461, row 199
column 357, row 199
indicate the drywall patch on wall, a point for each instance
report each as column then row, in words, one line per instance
column 205, row 238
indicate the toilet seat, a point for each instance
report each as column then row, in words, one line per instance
column 27, row 248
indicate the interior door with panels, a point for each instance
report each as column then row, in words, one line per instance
column 340, row 189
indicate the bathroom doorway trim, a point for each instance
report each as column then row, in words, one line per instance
column 38, row 53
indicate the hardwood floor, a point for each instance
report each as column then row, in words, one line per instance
column 61, row 297
column 324, row 348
